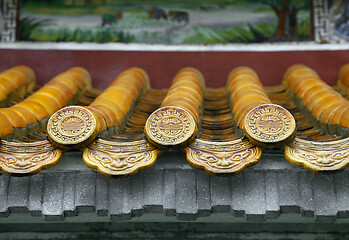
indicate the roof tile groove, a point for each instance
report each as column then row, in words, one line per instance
column 41, row 104
column 15, row 84
column 325, row 108
column 263, row 123
column 177, row 121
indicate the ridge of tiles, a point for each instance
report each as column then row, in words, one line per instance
column 124, row 128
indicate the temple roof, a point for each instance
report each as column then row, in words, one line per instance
column 123, row 128
column 130, row 129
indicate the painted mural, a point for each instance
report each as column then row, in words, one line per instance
column 165, row 21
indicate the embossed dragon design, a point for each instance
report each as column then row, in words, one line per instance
column 119, row 159
column 222, row 157
column 27, row 158
column 318, row 156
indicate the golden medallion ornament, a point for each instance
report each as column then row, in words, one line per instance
column 170, row 126
column 72, row 127
column 269, row 125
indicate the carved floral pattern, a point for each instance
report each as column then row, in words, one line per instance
column 318, row 156
column 27, row 158
column 119, row 159
column 222, row 157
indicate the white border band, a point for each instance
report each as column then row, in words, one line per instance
column 308, row 46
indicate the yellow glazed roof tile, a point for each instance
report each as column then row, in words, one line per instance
column 123, row 129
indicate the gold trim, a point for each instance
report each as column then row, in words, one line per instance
column 72, row 127
column 27, row 158
column 170, row 126
column 222, row 157
column 269, row 125
column 318, row 156
column 119, row 159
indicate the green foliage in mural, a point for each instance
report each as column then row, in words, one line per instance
column 286, row 12
column 28, row 25
column 30, row 30
column 304, row 29
column 251, row 34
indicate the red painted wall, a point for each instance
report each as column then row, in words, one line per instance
column 162, row 66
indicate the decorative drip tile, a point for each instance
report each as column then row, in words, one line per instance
column 319, row 156
column 27, row 158
column 222, row 157
column 119, row 159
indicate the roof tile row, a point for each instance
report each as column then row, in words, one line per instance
column 210, row 125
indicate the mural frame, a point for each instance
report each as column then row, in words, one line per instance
column 9, row 19
column 323, row 28
column 324, row 24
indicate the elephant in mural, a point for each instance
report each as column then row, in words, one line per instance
column 179, row 16
column 157, row 13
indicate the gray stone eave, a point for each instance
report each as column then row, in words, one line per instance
column 271, row 191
